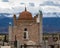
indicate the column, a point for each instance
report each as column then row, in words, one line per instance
column 41, row 29
column 18, row 44
column 10, row 32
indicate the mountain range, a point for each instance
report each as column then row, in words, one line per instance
column 50, row 24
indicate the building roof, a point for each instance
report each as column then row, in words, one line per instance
column 25, row 15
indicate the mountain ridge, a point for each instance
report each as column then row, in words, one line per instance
column 50, row 24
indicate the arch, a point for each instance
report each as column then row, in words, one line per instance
column 31, row 43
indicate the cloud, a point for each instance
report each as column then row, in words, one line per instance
column 50, row 3
column 50, row 9
column 31, row 4
column 5, row 0
column 17, row 6
column 47, row 3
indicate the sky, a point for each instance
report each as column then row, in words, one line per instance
column 50, row 8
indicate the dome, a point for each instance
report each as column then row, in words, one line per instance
column 25, row 15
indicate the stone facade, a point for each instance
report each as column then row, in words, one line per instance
column 26, row 22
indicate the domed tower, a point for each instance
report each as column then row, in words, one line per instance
column 26, row 28
column 25, row 15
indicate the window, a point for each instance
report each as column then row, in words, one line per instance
column 25, row 29
column 55, row 38
column 25, row 46
column 46, row 38
column 25, row 33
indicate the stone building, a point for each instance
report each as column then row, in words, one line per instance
column 26, row 29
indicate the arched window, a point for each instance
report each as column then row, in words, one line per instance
column 25, row 33
column 25, row 46
column 25, row 29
